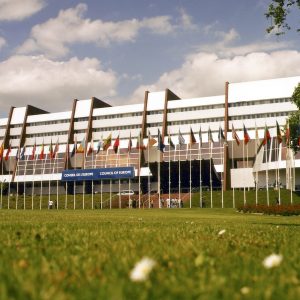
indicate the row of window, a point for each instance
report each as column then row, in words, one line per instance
column 196, row 121
column 115, row 128
column 267, row 101
column 115, row 116
column 48, row 122
column 268, row 115
column 46, row 134
column 155, row 112
column 202, row 107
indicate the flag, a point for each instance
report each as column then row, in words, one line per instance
column 100, row 145
column 287, row 134
column 91, row 148
column 267, row 135
column 51, row 150
column 170, row 142
column 107, row 142
column 235, row 136
column 1, row 151
column 56, row 149
column 116, row 144
column 151, row 141
column 129, row 143
column 22, row 156
column 33, row 151
column 192, row 137
column 81, row 147
column 181, row 140
column 17, row 154
column 246, row 135
column 7, row 152
column 279, row 136
column 139, row 142
column 74, row 148
column 200, row 137
column 221, row 136
column 210, row 136
column 42, row 154
column 160, row 145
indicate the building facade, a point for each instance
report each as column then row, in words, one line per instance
column 37, row 146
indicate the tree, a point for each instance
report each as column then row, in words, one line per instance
column 278, row 12
column 294, row 121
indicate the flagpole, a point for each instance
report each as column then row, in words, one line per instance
column 200, row 170
column 101, row 195
column 33, row 183
column 232, row 167
column 93, row 167
column 66, row 196
column 159, row 154
column 17, row 172
column 256, row 172
column 56, row 164
column 140, row 171
column 179, row 175
column 110, row 194
column 278, row 156
column 210, row 171
column 222, row 174
column 2, row 180
column 267, row 173
column 26, row 162
column 43, row 172
column 190, row 175
column 149, row 182
column 75, row 167
column 244, row 167
column 8, row 198
column 169, row 168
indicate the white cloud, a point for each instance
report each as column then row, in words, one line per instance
column 17, row 10
column 52, row 85
column 204, row 74
column 54, row 37
column 2, row 42
column 186, row 20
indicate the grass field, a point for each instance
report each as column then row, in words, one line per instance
column 68, row 254
column 86, row 201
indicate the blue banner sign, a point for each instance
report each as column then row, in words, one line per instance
column 97, row 174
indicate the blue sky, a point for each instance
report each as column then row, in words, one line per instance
column 54, row 51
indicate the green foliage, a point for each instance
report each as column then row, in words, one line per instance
column 89, row 254
column 283, row 210
column 278, row 12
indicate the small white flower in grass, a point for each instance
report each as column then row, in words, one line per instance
column 271, row 261
column 245, row 290
column 142, row 269
column 221, row 232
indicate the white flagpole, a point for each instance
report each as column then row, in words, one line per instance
column 149, row 182
column 179, row 171
column 56, row 164
column 17, row 172
column 244, row 167
column 2, row 181
column 222, row 174
column 200, row 172
column 129, row 180
column 93, row 167
column 159, row 157
column 256, row 172
column 210, row 172
column 110, row 194
column 66, row 196
column 267, row 173
column 118, row 164
column 101, row 195
column 75, row 166
column 26, row 161
column 169, row 168
column 140, row 171
column 32, row 188
column 190, row 175
column 8, row 199
column 43, row 172
column 278, row 169
column 232, row 167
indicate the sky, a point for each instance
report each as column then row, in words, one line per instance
column 54, row 51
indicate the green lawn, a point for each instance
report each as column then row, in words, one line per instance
column 68, row 254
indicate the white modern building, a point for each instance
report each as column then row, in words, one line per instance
column 254, row 104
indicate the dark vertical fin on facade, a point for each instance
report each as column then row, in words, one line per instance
column 226, row 169
column 70, row 134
